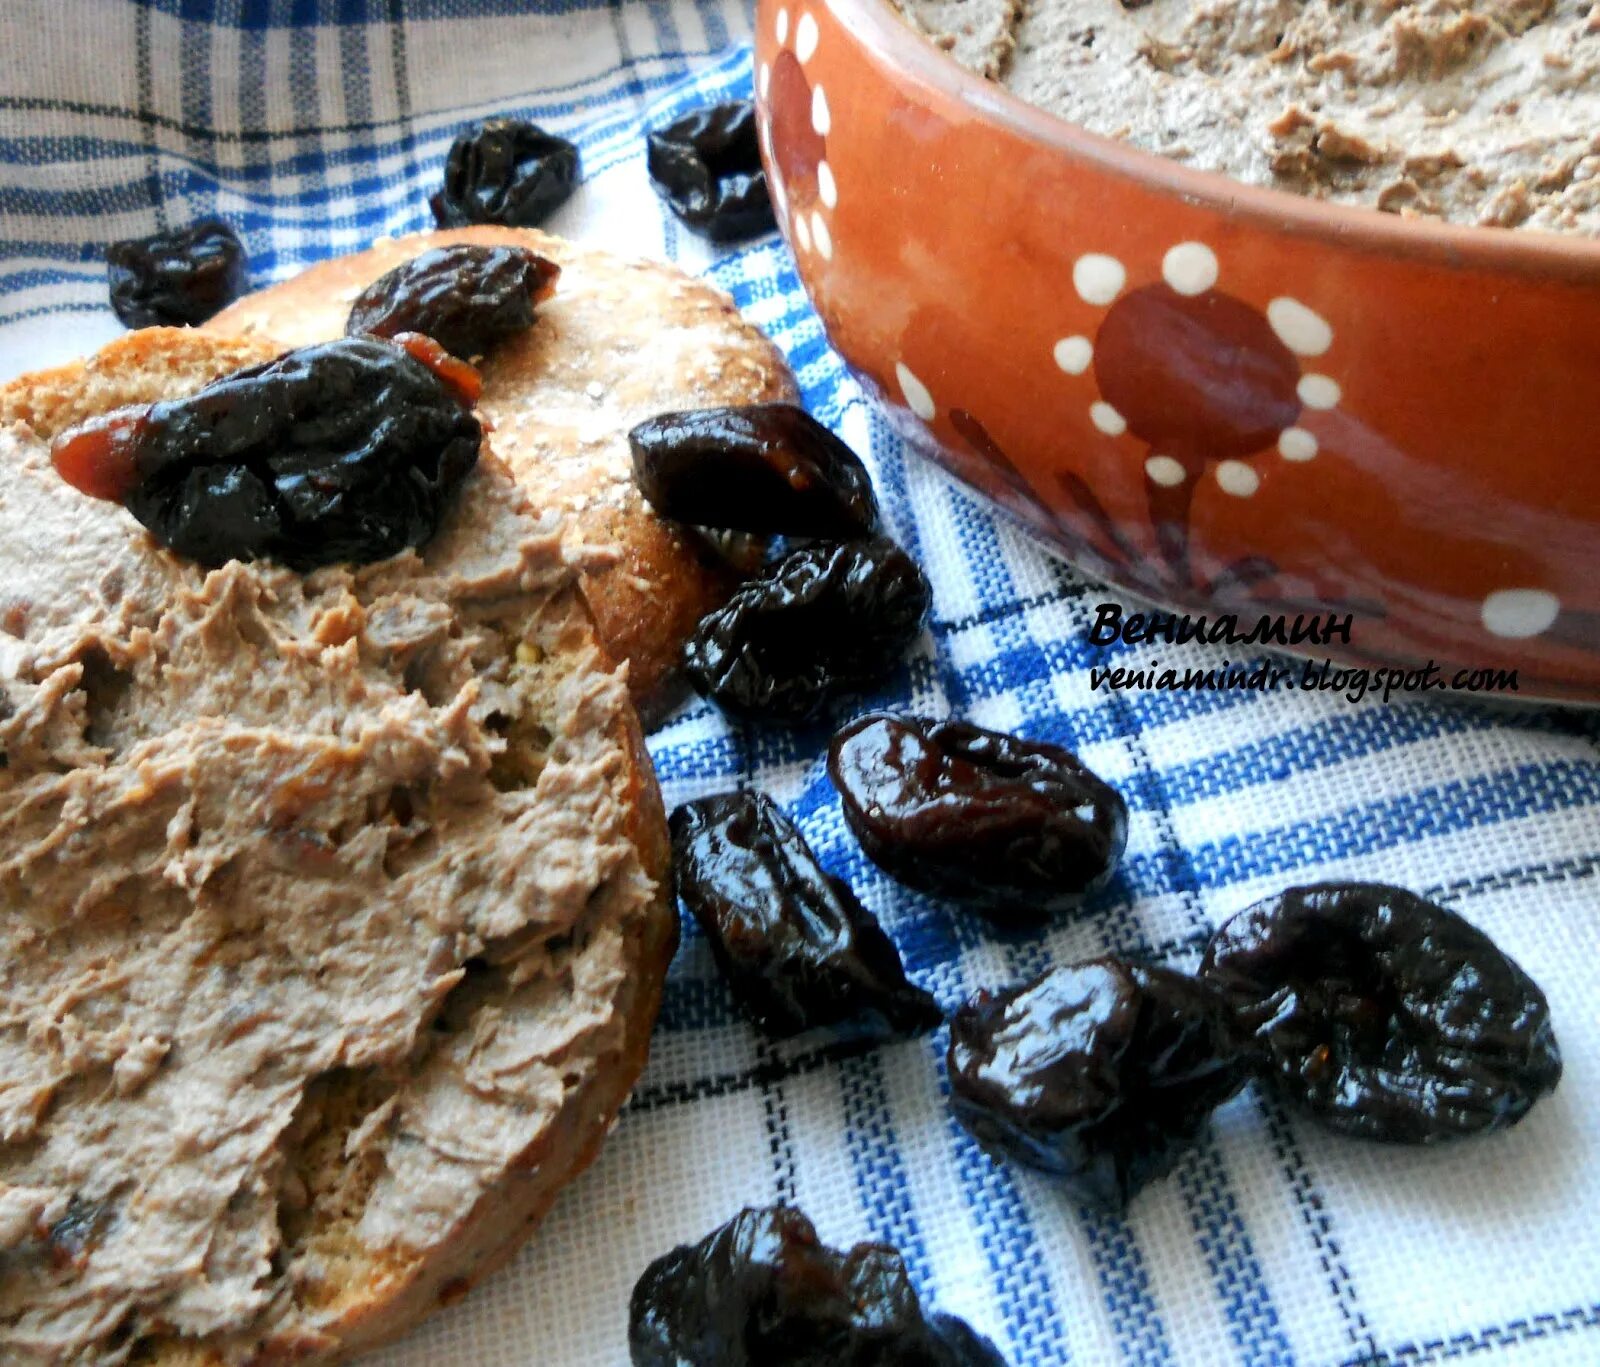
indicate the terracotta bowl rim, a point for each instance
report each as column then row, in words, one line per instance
column 1524, row 251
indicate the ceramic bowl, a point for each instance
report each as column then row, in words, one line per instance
column 1218, row 397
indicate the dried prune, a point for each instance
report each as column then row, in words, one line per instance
column 466, row 297
column 824, row 620
column 505, row 171
column 177, row 279
column 1101, row 1072
column 764, row 1291
column 1385, row 1015
column 346, row 451
column 1016, row 828
column 707, row 166
column 768, row 467
column 796, row 946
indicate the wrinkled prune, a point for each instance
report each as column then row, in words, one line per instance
column 1385, row 1015
column 177, row 279
column 763, row 1291
column 824, row 620
column 707, row 166
column 346, row 451
column 505, row 171
column 768, row 467
column 1016, row 828
column 797, row 948
column 465, row 297
column 1101, row 1072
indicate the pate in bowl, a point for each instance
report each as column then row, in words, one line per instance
column 1312, row 394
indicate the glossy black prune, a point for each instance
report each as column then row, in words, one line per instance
column 797, row 948
column 707, row 166
column 1384, row 1015
column 769, row 468
column 346, row 451
column 1018, row 829
column 179, row 278
column 466, row 297
column 505, row 171
column 1101, row 1072
column 824, row 620
column 763, row 1291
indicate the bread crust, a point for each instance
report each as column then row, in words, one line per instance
column 139, row 367
column 390, row 1292
column 619, row 341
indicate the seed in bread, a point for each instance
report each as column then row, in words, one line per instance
column 331, row 911
column 617, row 342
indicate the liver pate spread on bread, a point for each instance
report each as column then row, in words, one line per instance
column 1475, row 111
column 354, row 872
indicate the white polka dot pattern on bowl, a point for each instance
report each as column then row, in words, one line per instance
column 917, row 398
column 1107, row 419
column 805, row 38
column 1303, row 331
column 1236, row 478
column 1517, row 614
column 821, row 119
column 1190, row 268
column 821, row 236
column 1295, row 443
column 827, row 188
column 1319, row 391
column 1074, row 354
column 1098, row 278
column 1165, row 471
column 810, row 225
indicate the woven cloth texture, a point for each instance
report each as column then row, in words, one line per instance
column 315, row 125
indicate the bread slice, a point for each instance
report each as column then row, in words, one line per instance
column 397, row 825
column 618, row 342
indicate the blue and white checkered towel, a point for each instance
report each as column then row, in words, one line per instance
column 314, row 125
